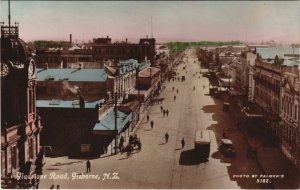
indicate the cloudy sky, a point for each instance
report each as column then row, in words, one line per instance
column 178, row 20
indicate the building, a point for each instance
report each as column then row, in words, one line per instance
column 68, row 84
column 289, row 113
column 267, row 88
column 101, row 50
column 76, row 97
column 20, row 123
column 122, row 78
column 68, row 124
column 104, row 49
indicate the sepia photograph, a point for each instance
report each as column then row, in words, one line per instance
column 150, row 94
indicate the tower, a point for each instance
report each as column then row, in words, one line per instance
column 20, row 124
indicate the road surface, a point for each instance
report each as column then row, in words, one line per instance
column 167, row 165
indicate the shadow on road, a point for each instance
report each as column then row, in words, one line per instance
column 191, row 157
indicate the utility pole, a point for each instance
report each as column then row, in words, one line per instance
column 116, row 129
column 151, row 28
column 8, row 17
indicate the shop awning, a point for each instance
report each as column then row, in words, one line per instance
column 106, row 126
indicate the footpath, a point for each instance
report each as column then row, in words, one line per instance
column 269, row 157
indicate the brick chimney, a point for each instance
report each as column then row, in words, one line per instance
column 81, row 102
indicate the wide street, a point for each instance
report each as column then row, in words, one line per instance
column 167, row 165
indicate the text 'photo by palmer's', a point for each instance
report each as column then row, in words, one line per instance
column 150, row 94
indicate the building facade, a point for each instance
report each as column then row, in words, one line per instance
column 20, row 123
column 102, row 49
column 289, row 111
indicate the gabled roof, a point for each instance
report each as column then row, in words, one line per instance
column 80, row 75
column 149, row 71
column 110, row 70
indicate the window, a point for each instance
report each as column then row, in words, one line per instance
column 14, row 157
column 3, row 162
column 31, row 149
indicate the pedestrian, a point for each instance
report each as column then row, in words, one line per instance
column 152, row 123
column 173, row 88
column 52, row 187
column 148, row 118
column 167, row 112
column 57, row 187
column 161, row 109
column 122, row 140
column 164, row 112
column 194, row 87
column 88, row 166
column 177, row 91
column 105, row 146
column 174, row 98
column 167, row 137
column 182, row 143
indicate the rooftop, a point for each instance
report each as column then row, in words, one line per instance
column 82, row 75
column 107, row 123
column 57, row 103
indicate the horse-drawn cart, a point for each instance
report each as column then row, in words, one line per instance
column 134, row 144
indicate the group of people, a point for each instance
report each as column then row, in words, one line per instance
column 164, row 111
column 57, row 187
column 167, row 139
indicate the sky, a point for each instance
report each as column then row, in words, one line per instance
column 171, row 20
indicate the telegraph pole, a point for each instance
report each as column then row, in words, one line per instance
column 116, row 129
column 8, row 17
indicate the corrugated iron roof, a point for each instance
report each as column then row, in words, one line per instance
column 107, row 123
column 57, row 103
column 84, row 75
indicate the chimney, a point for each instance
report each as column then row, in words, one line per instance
column 81, row 102
column 70, row 40
column 126, row 40
column 107, row 37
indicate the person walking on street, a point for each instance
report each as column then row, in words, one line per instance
column 182, row 143
column 167, row 137
column 174, row 98
column 88, row 166
column 167, row 112
column 52, row 187
column 57, row 187
column 161, row 108
column 173, row 88
column 177, row 91
column 105, row 145
column 148, row 118
column 164, row 112
column 151, row 123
